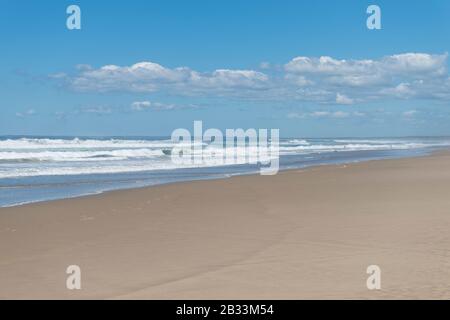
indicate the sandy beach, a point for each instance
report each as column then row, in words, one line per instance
column 301, row 234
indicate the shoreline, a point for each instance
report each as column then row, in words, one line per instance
column 302, row 234
column 228, row 176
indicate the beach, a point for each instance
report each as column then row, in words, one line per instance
column 301, row 234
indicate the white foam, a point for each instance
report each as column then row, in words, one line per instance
column 350, row 147
column 81, row 155
column 26, row 143
column 297, row 141
column 38, row 157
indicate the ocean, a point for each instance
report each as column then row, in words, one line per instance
column 34, row 169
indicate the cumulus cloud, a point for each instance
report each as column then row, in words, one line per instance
column 359, row 72
column 320, row 79
column 152, row 77
column 409, row 75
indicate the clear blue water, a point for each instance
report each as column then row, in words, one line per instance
column 36, row 169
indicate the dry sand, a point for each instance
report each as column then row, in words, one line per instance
column 300, row 234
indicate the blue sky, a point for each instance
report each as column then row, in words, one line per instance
column 309, row 68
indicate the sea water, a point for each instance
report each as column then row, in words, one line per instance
column 36, row 169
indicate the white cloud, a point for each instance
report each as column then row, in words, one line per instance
column 328, row 114
column 342, row 99
column 29, row 112
column 158, row 106
column 99, row 110
column 147, row 105
column 324, row 114
column 319, row 79
column 403, row 76
column 151, row 77
column 140, row 105
column 402, row 90
column 400, row 64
